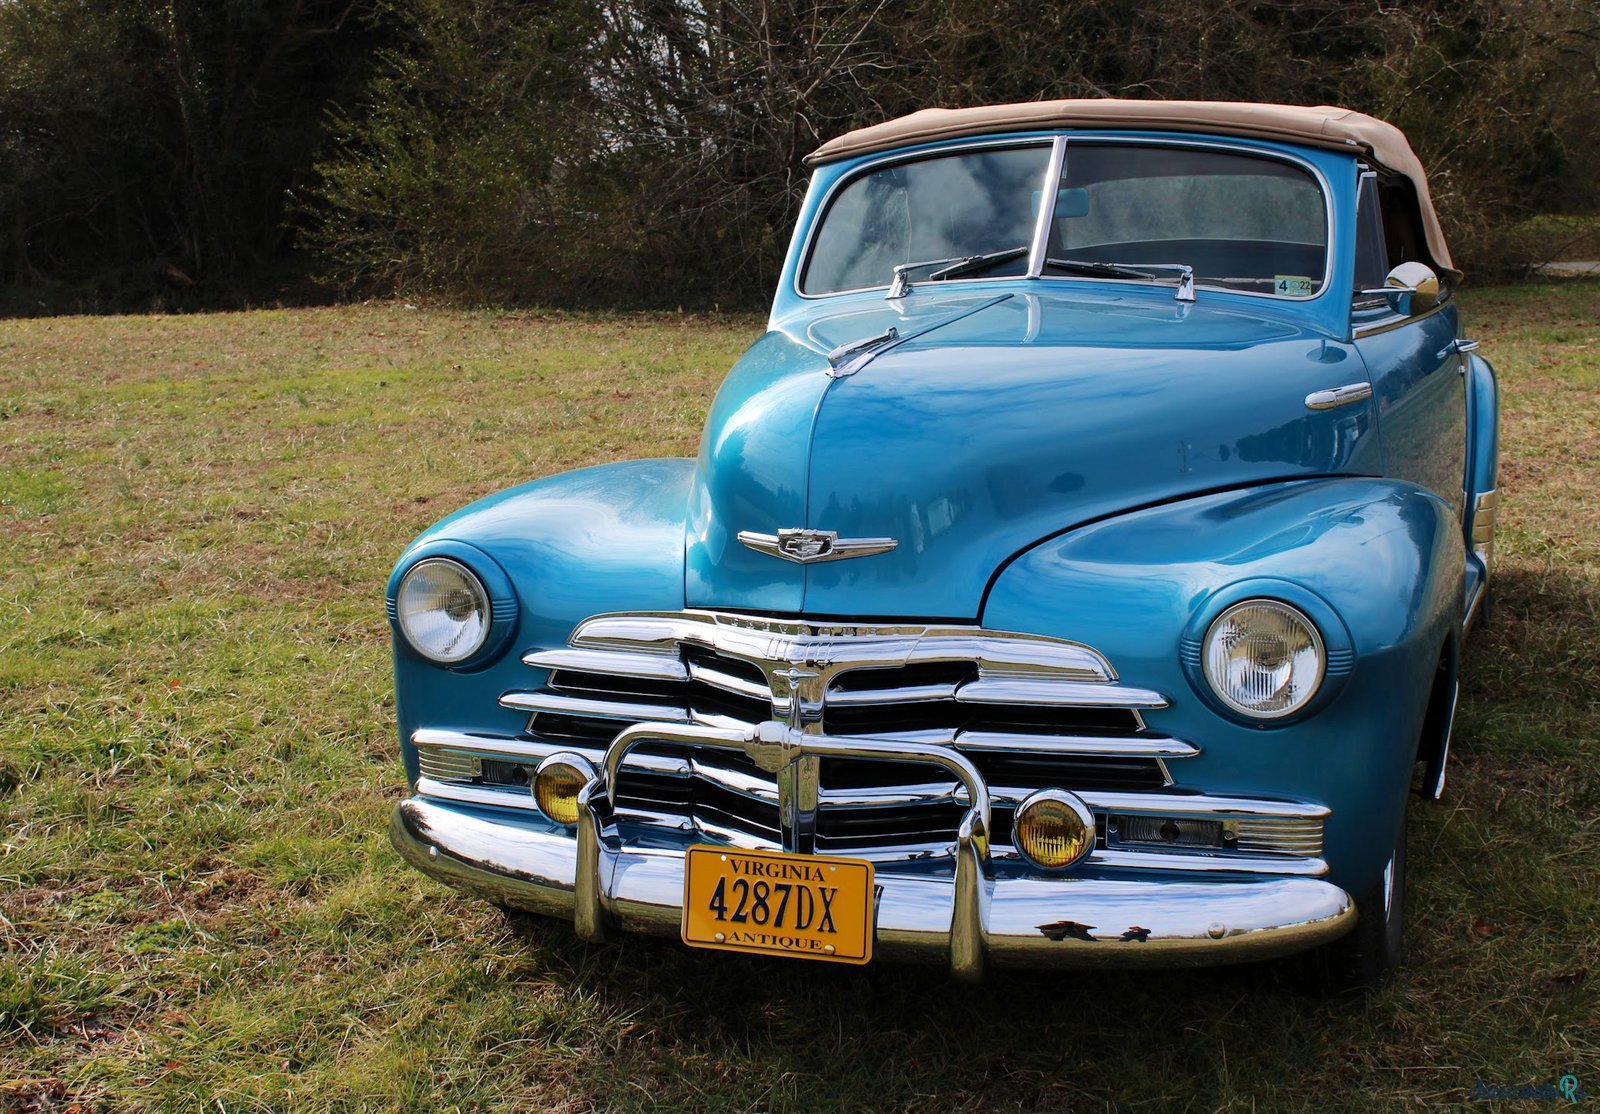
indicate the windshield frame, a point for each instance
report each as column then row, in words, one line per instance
column 1059, row 145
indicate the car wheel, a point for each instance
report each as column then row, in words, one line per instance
column 1366, row 958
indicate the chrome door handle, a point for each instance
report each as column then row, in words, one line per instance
column 1338, row 396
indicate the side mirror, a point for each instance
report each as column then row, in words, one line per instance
column 1410, row 288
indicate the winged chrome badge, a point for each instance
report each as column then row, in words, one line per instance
column 810, row 546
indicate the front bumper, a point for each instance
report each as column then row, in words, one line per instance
column 1010, row 917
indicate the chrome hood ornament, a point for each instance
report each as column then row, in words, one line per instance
column 807, row 547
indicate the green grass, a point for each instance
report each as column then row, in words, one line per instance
column 197, row 760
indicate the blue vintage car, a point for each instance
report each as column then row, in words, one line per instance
column 1074, row 573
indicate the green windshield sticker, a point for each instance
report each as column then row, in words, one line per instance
column 1295, row 286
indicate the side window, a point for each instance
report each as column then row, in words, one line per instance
column 1371, row 251
column 1403, row 239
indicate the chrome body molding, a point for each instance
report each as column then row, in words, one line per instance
column 1485, row 513
column 1012, row 916
column 806, row 547
column 1400, row 320
column 1338, row 396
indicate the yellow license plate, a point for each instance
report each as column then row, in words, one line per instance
column 770, row 903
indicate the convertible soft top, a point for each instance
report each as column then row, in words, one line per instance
column 1322, row 126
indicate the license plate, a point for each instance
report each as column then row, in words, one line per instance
column 771, row 903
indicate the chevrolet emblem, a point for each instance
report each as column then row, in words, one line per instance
column 810, row 546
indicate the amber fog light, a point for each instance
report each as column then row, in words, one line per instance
column 556, row 784
column 1053, row 829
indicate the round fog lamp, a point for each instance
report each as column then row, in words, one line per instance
column 556, row 784
column 1053, row 829
column 1264, row 658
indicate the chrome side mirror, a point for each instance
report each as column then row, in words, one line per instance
column 1410, row 288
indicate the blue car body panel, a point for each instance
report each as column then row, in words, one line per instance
column 1176, row 567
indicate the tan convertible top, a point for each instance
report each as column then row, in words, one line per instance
column 1324, row 126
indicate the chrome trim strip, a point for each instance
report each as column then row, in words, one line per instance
column 1075, row 694
column 1132, row 746
column 906, row 694
column 1022, row 140
column 1199, row 860
column 1215, row 808
column 560, row 704
column 1338, row 396
column 1397, row 321
column 727, row 682
column 1485, row 517
column 1050, row 188
column 927, row 915
column 650, row 667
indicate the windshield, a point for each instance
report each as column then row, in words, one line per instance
column 1240, row 221
column 939, row 209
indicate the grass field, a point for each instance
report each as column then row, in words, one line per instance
column 199, row 908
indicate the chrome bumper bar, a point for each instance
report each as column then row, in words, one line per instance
column 979, row 913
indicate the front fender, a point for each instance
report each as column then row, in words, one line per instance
column 1383, row 558
column 608, row 538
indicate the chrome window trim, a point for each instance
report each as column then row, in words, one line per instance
column 1399, row 321
column 1059, row 143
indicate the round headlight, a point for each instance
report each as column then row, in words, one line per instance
column 1053, row 829
column 443, row 610
column 1264, row 659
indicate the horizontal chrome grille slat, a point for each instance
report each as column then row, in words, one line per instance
column 563, row 704
column 716, row 678
column 1031, row 691
column 1134, row 746
column 910, row 694
column 652, row 667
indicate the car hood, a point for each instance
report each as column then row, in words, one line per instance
column 997, row 421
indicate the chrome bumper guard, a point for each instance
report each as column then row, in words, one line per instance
column 972, row 916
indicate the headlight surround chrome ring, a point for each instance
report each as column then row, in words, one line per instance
column 443, row 610
column 1264, row 658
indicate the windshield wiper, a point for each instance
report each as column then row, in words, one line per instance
column 959, row 265
column 1131, row 271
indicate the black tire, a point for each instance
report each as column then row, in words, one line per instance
column 1366, row 958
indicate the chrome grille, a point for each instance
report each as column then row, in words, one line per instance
column 1029, row 712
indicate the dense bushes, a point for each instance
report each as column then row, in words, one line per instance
column 649, row 151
